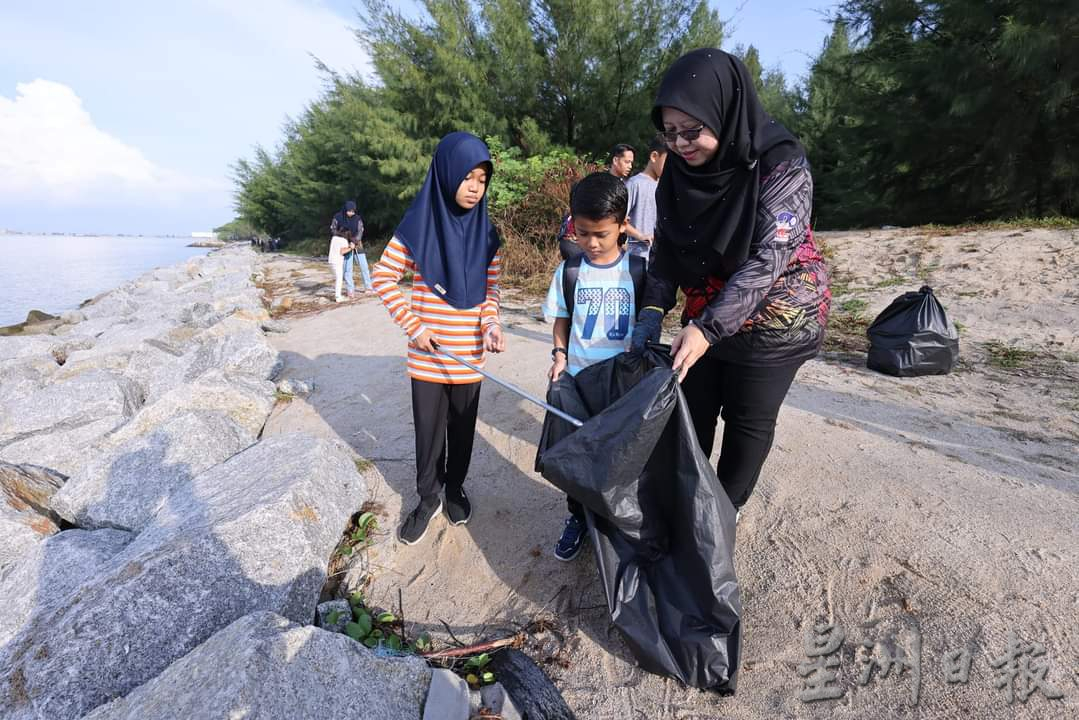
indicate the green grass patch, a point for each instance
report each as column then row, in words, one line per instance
column 890, row 282
column 363, row 465
column 283, row 397
column 853, row 305
column 1007, row 356
column 1055, row 222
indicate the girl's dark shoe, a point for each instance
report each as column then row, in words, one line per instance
column 458, row 506
column 415, row 525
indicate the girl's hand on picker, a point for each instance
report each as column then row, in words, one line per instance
column 687, row 349
column 425, row 341
column 493, row 341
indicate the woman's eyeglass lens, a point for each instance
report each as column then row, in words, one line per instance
column 671, row 136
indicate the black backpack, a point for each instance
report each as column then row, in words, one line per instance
column 637, row 268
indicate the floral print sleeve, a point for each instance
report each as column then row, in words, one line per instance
column 786, row 201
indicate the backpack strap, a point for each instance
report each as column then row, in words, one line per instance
column 570, row 269
column 637, row 269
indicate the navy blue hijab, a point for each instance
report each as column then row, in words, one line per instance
column 451, row 246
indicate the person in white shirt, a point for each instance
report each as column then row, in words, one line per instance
column 339, row 247
column 642, row 200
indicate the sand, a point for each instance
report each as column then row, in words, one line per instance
column 941, row 509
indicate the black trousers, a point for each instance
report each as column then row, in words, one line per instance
column 445, row 420
column 748, row 398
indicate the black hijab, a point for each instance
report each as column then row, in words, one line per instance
column 344, row 222
column 707, row 215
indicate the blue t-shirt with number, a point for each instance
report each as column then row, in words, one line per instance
column 603, row 311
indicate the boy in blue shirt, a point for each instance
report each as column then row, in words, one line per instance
column 597, row 322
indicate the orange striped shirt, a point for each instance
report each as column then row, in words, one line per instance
column 459, row 331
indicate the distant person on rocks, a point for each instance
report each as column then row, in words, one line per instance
column 642, row 200
column 733, row 210
column 449, row 244
column 603, row 277
column 348, row 223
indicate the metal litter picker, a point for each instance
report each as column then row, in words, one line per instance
column 511, row 387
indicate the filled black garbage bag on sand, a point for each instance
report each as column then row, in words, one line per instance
column 660, row 522
column 913, row 336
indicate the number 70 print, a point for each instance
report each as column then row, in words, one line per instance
column 614, row 303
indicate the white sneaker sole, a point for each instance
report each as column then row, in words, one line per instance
column 425, row 530
column 569, row 559
column 461, row 522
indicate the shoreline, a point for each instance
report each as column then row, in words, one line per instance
column 139, row 488
column 98, row 264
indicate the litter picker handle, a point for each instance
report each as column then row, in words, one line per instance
column 511, row 387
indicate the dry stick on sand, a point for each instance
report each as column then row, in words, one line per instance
column 516, row 641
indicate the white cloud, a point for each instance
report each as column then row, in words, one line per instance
column 51, row 148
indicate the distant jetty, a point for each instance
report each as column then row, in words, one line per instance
column 206, row 240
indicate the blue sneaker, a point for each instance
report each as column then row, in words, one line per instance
column 573, row 537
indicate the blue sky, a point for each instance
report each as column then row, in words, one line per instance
column 123, row 117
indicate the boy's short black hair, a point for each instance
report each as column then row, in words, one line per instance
column 599, row 196
column 658, row 145
column 618, row 149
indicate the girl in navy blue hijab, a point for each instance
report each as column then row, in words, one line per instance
column 447, row 241
column 452, row 245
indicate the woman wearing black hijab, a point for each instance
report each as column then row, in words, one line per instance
column 734, row 205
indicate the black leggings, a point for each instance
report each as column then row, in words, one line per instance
column 748, row 398
column 445, row 420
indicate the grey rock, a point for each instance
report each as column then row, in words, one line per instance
column 237, row 345
column 246, row 400
column 30, row 488
column 296, row 387
column 71, row 317
column 24, row 346
column 48, row 573
column 253, row 533
column 61, row 351
column 497, row 702
column 275, row 326
column 447, row 697
column 263, row 667
column 39, row 316
column 53, row 426
column 112, row 304
column 326, row 611
column 20, row 532
column 124, row 487
column 199, row 314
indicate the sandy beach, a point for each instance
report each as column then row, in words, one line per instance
column 931, row 518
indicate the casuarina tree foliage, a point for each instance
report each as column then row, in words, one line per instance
column 913, row 111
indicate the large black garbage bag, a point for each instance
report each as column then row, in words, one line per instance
column 660, row 522
column 913, row 336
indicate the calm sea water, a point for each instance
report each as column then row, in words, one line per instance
column 55, row 273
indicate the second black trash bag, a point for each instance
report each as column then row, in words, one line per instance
column 913, row 336
column 661, row 524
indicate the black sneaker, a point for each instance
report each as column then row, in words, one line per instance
column 569, row 545
column 458, row 506
column 415, row 525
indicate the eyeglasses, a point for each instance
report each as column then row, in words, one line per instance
column 671, row 136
